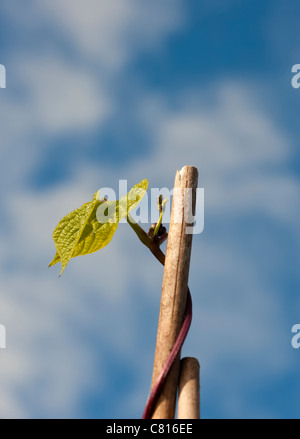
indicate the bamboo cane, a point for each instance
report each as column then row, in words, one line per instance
column 174, row 288
column 189, row 389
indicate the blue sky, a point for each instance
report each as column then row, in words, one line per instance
column 99, row 91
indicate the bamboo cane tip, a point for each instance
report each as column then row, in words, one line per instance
column 191, row 360
column 188, row 170
column 190, row 366
column 189, row 389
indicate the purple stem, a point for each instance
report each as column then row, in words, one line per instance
column 172, row 357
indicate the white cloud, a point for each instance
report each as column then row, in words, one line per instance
column 62, row 97
column 110, row 31
column 113, row 31
column 235, row 145
column 42, row 361
column 56, row 98
column 55, row 94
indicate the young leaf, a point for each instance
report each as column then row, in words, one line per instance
column 70, row 229
column 55, row 260
column 133, row 198
column 87, row 229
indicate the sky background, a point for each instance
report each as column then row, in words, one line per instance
column 99, row 91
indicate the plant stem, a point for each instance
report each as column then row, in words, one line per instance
column 152, row 244
column 158, row 223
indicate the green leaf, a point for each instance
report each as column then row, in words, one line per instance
column 80, row 232
column 55, row 260
column 133, row 198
